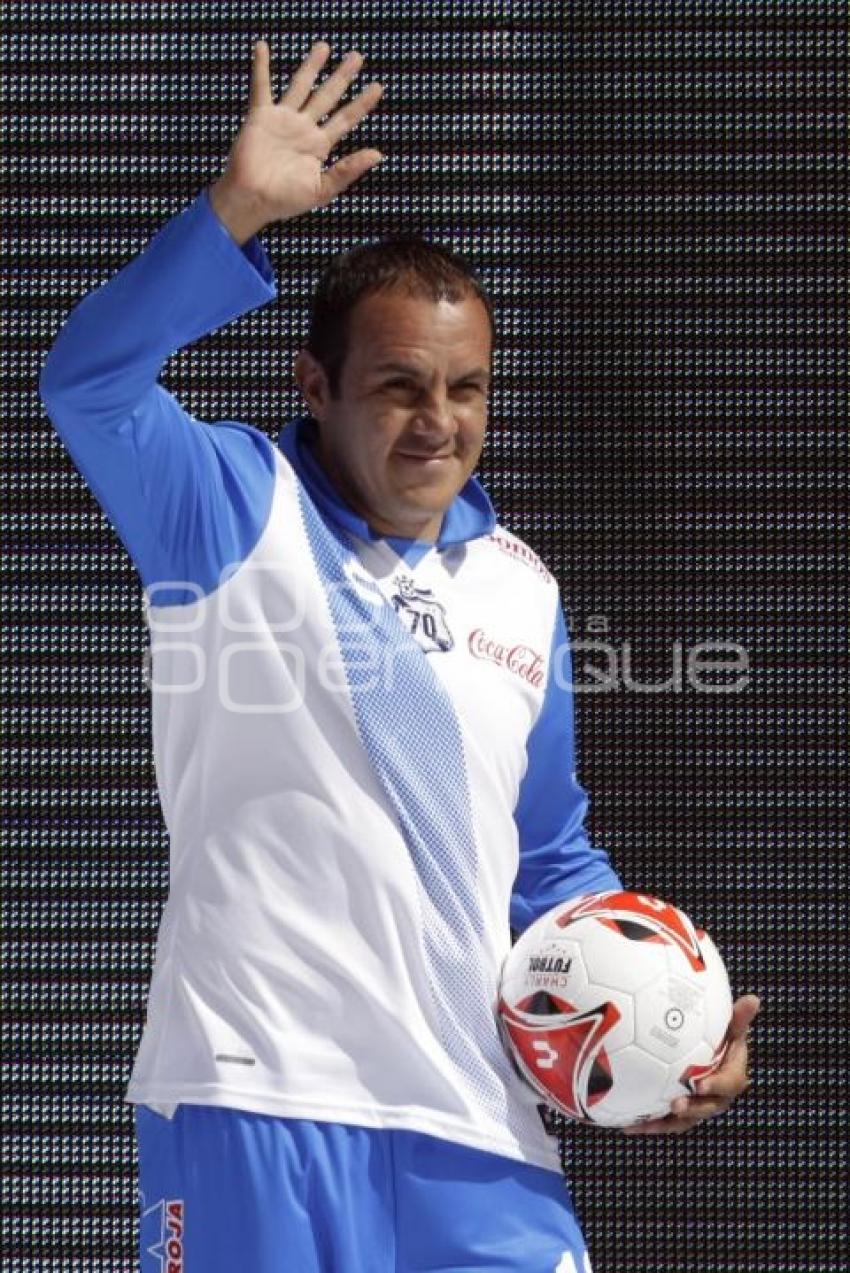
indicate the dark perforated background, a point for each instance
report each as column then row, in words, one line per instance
column 657, row 194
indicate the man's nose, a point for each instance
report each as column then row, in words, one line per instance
column 434, row 415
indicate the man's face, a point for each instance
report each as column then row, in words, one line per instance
column 406, row 431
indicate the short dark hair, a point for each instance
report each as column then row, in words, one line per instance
column 404, row 263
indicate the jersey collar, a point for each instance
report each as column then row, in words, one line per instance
column 469, row 515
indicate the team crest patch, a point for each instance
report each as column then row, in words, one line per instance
column 422, row 615
column 162, row 1230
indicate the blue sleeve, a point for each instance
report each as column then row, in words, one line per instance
column 556, row 859
column 185, row 497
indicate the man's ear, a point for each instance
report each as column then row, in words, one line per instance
column 312, row 380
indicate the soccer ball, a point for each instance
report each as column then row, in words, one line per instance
column 612, row 1005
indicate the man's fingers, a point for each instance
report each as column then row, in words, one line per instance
column 716, row 1092
column 346, row 171
column 731, row 1078
column 345, row 119
column 743, row 1012
column 682, row 1119
column 687, row 1111
column 261, row 89
column 300, row 94
column 328, row 94
column 301, row 84
column 661, row 1127
column 693, row 1109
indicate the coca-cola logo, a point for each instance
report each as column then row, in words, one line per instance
column 524, row 662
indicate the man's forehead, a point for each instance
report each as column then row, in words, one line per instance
column 393, row 327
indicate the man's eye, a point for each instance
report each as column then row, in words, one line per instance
column 410, row 387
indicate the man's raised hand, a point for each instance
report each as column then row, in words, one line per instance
column 275, row 169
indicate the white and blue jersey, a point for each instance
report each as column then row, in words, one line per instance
column 363, row 745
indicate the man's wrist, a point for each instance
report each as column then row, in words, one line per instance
column 237, row 212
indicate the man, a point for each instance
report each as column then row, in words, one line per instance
column 363, row 738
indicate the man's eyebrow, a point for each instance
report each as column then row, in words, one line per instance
column 408, row 369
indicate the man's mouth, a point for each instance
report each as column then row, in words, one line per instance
column 425, row 457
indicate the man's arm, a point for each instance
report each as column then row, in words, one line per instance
column 556, row 859
column 557, row 862
column 187, row 499
column 163, row 478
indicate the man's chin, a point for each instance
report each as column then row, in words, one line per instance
column 418, row 518
column 432, row 488
column 426, row 503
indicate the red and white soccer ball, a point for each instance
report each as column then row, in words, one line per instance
column 614, row 1004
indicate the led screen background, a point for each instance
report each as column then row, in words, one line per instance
column 656, row 194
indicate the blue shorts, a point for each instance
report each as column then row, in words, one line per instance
column 223, row 1189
